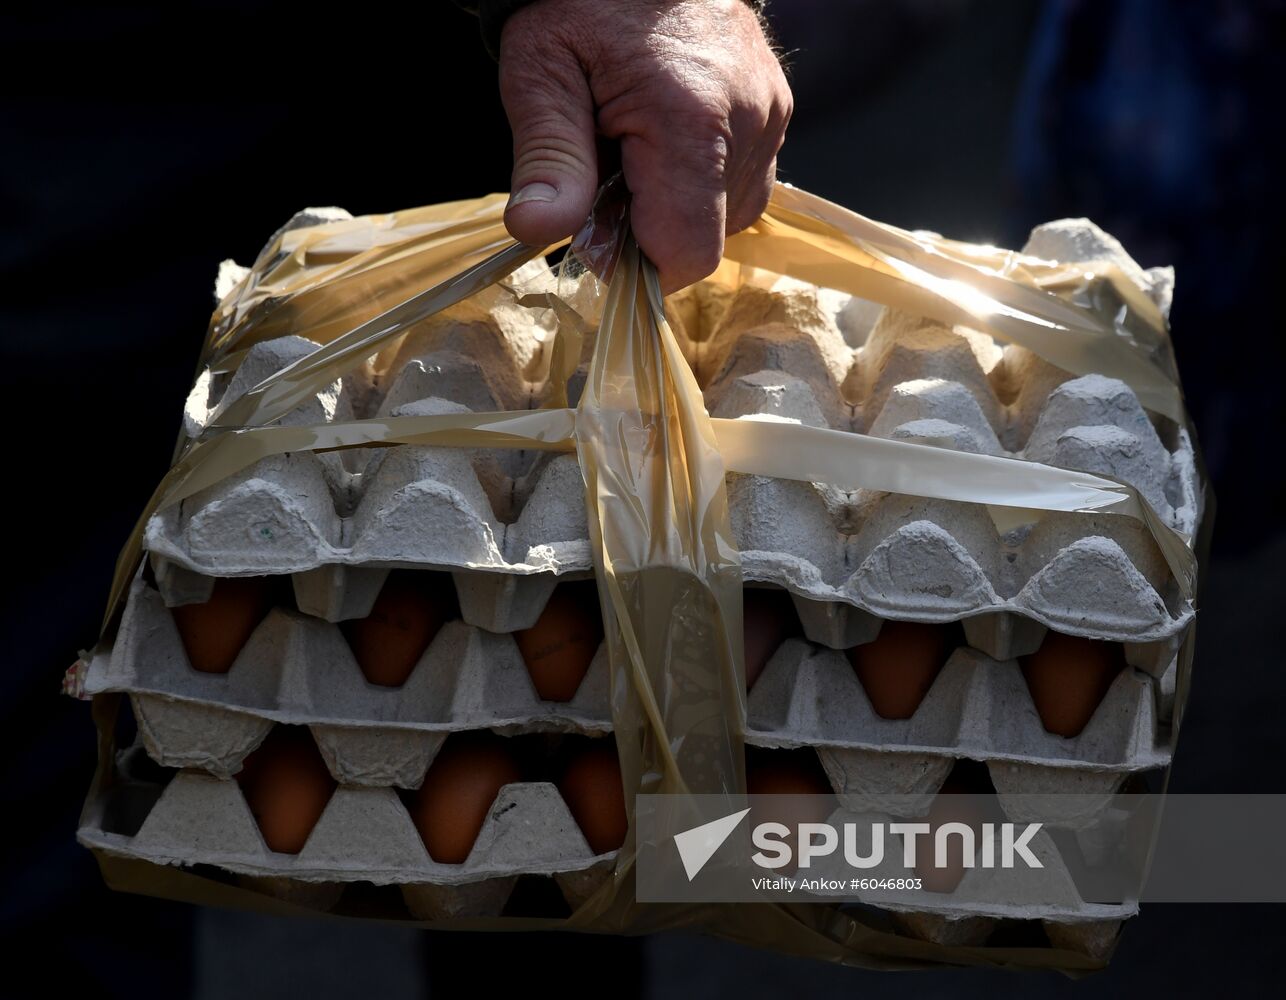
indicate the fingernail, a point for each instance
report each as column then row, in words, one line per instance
column 533, row 192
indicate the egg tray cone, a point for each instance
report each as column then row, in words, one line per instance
column 363, row 835
column 300, row 670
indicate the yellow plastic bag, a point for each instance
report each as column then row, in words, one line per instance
column 654, row 465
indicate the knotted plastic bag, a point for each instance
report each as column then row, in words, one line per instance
column 654, row 466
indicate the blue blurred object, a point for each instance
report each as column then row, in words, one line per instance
column 1161, row 122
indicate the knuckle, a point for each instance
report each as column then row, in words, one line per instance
column 676, row 100
column 532, row 30
column 700, row 148
column 537, row 67
column 688, row 253
column 704, row 115
column 702, row 256
column 521, row 49
column 751, row 205
column 784, row 107
column 778, row 121
column 524, row 82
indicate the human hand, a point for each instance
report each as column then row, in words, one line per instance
column 691, row 90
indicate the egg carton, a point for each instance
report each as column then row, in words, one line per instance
column 1093, row 937
column 969, row 913
column 300, row 670
column 790, row 351
column 853, row 556
column 860, row 351
column 409, row 507
column 363, row 835
column 510, row 524
column 339, row 522
column 848, row 558
column 785, row 350
column 978, row 708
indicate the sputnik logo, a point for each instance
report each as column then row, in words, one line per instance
column 697, row 846
column 818, row 840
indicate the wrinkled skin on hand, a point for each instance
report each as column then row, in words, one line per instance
column 690, row 89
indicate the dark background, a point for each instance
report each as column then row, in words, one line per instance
column 172, row 145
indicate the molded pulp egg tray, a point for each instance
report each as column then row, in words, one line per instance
column 510, row 526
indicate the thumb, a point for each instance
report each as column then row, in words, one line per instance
column 551, row 114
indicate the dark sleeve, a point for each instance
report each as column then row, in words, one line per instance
column 492, row 15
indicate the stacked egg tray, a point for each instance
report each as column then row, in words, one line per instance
column 299, row 670
column 509, row 526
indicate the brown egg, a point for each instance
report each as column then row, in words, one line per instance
column 1068, row 677
column 458, row 792
column 899, row 666
column 410, row 609
column 952, row 804
column 214, row 632
column 592, row 788
column 789, row 772
column 768, row 620
column 286, row 785
column 559, row 647
column 786, row 772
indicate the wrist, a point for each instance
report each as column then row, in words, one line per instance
column 492, row 15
